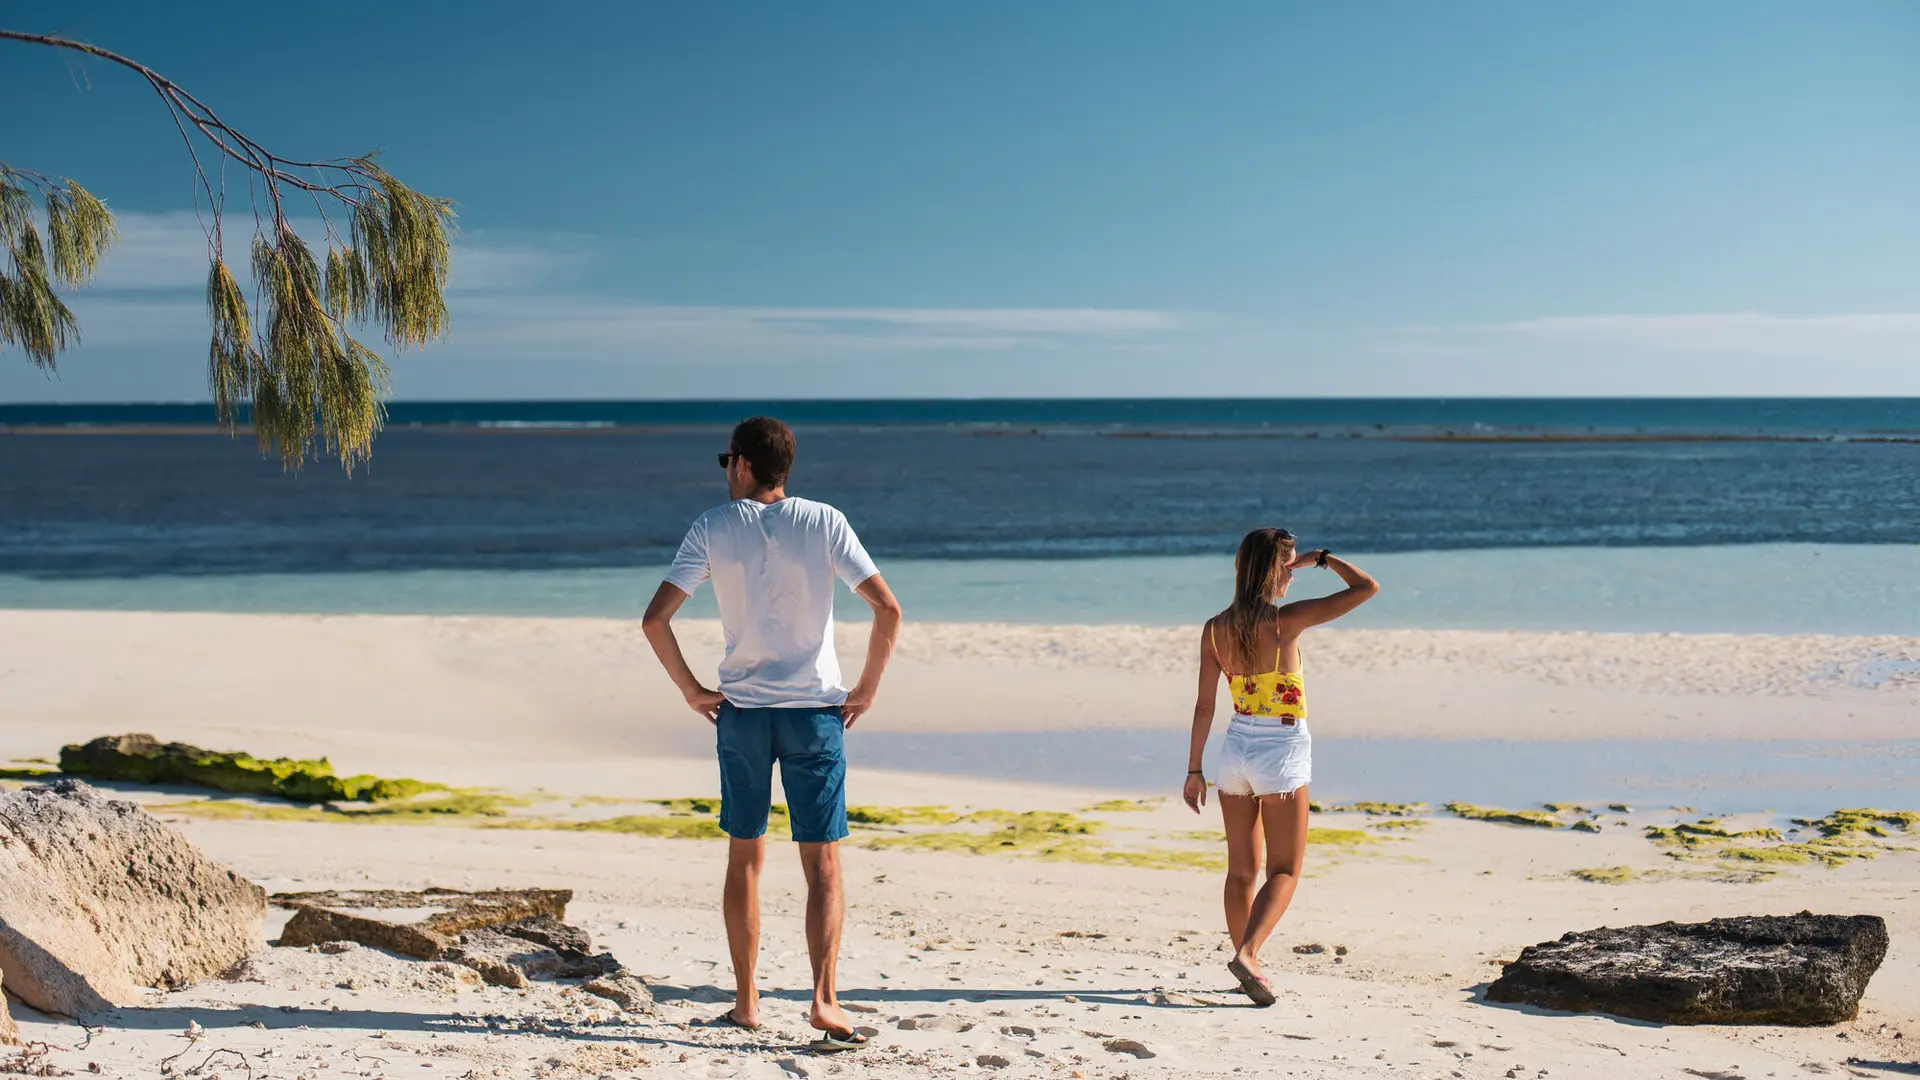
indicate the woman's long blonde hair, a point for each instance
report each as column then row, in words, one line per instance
column 1257, row 566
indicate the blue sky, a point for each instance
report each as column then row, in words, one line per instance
column 850, row 199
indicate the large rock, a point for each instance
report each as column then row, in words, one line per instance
column 98, row 898
column 143, row 759
column 421, row 924
column 9, row 1033
column 505, row 959
column 1771, row 969
column 624, row 989
column 550, row 932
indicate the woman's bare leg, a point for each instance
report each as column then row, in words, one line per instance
column 1241, row 816
column 1284, row 818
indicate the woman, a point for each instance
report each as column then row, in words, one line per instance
column 1268, row 756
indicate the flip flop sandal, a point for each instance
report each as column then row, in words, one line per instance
column 727, row 1019
column 1252, row 985
column 837, row 1042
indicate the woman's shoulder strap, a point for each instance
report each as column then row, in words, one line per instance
column 1214, row 643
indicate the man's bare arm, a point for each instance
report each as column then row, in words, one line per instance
column 886, row 630
column 657, row 623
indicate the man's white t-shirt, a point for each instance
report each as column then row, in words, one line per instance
column 773, row 566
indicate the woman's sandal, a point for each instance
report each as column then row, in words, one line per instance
column 836, row 1042
column 1255, row 987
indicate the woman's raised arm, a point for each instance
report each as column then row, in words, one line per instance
column 1360, row 588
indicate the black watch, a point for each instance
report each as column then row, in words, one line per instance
column 1321, row 562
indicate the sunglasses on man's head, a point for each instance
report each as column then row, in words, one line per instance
column 726, row 459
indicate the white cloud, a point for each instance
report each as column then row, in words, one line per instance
column 507, row 302
column 1730, row 334
column 170, row 251
column 516, row 326
column 1631, row 354
column 622, row 331
column 157, row 251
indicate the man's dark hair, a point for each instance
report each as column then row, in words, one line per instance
column 767, row 444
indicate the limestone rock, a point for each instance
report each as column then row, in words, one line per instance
column 1776, row 969
column 624, row 990
column 551, row 932
column 9, row 1033
column 99, row 898
column 421, row 924
column 143, row 759
column 950, row 1022
column 505, row 960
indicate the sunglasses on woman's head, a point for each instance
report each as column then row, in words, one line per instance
column 1282, row 534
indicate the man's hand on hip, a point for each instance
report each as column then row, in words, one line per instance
column 706, row 702
column 859, row 700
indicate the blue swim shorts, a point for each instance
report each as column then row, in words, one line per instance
column 809, row 744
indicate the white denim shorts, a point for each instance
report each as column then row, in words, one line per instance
column 1264, row 756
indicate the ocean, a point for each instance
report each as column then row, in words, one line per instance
column 139, row 492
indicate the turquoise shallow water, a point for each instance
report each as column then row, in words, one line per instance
column 1762, row 588
column 1787, row 777
column 1777, row 588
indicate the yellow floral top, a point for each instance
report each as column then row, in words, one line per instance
column 1269, row 693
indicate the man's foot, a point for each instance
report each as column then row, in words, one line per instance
column 745, row 1019
column 830, row 1018
column 1252, row 982
column 831, row 1042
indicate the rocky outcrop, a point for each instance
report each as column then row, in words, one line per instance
column 99, row 898
column 1777, row 969
column 143, row 759
column 550, row 932
column 9, row 1032
column 421, row 924
column 623, row 989
column 510, row 936
column 505, row 959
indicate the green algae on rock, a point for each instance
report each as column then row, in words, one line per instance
column 670, row 828
column 689, row 806
column 1374, row 809
column 1705, row 831
column 1341, row 837
column 1538, row 819
column 142, row 759
column 1604, row 875
column 900, row 815
column 1123, row 806
column 454, row 805
column 1862, row 820
column 1846, row 836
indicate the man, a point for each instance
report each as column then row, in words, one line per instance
column 772, row 559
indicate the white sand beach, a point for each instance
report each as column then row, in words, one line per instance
column 380, row 690
column 1018, row 964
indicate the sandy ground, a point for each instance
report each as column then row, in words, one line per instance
column 1040, row 965
column 1005, row 965
column 383, row 692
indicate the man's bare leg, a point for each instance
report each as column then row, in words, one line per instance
column 742, row 906
column 826, row 909
column 1285, row 820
